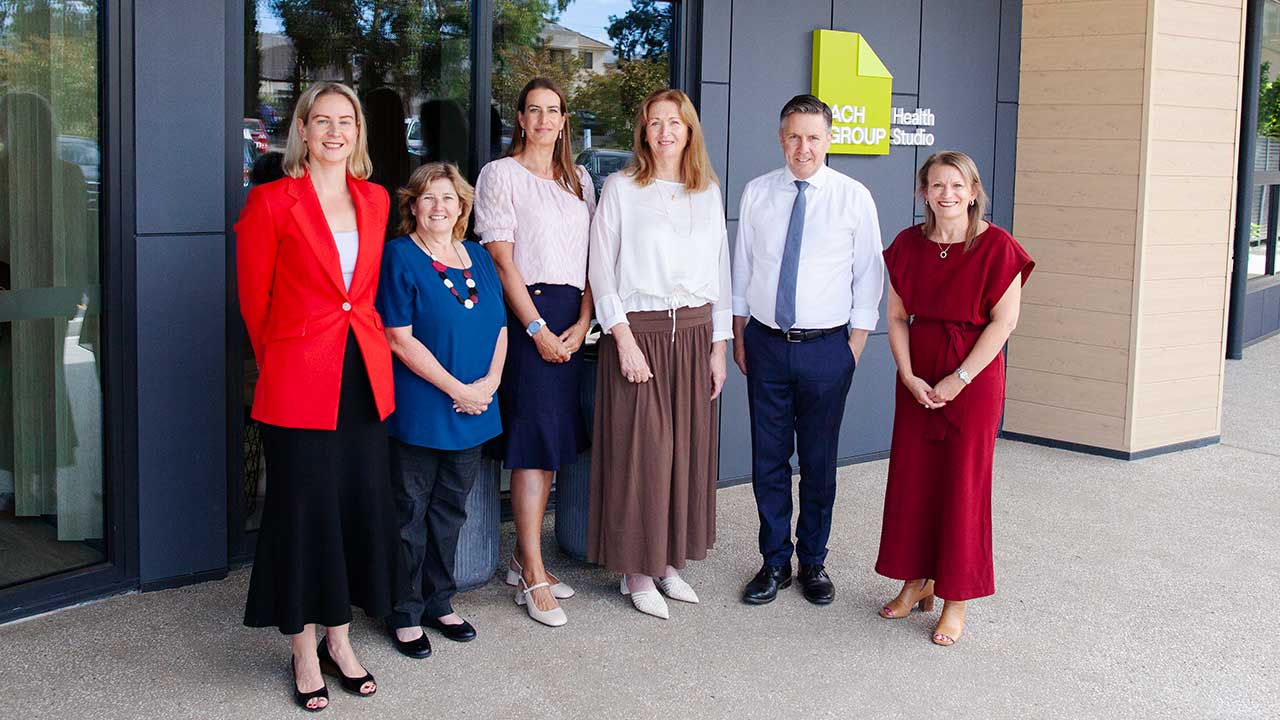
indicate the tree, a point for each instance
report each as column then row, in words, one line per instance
column 614, row 96
column 643, row 32
column 1268, row 103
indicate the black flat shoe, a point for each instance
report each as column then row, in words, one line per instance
column 302, row 698
column 418, row 649
column 764, row 587
column 816, row 584
column 352, row 685
column 457, row 633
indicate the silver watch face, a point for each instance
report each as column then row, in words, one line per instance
column 963, row 375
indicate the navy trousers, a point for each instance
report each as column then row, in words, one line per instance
column 797, row 393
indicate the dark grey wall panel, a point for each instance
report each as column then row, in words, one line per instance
column 958, row 63
column 889, row 178
column 182, row 423
column 893, row 29
column 714, row 115
column 1010, row 50
column 771, row 61
column 181, row 74
column 1000, row 186
column 868, row 414
column 735, row 426
column 715, row 40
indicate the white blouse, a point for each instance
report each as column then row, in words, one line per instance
column 659, row 247
column 546, row 223
column 348, row 249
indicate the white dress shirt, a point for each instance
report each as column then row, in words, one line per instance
column 841, row 275
column 658, row 247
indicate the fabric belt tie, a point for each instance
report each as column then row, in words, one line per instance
column 950, row 417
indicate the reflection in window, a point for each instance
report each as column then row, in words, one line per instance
column 51, row 483
column 1265, row 198
column 607, row 55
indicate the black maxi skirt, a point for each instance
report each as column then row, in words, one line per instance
column 328, row 538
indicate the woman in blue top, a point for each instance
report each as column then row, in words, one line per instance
column 441, row 304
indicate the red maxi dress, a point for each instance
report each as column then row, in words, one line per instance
column 937, row 506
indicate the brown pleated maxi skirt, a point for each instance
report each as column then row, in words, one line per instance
column 655, row 449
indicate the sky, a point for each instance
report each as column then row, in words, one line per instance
column 589, row 17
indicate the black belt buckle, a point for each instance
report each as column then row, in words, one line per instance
column 795, row 336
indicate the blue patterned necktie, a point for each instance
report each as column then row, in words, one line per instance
column 784, row 312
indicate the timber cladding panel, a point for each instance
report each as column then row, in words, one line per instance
column 1186, row 251
column 1076, row 211
column 1125, row 188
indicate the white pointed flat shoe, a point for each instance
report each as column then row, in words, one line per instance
column 676, row 588
column 553, row 618
column 559, row 590
column 649, row 602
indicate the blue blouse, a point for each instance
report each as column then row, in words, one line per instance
column 410, row 292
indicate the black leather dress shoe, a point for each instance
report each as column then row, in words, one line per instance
column 764, row 587
column 417, row 649
column 816, row 584
column 457, row 633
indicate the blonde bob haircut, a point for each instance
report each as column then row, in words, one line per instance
column 695, row 165
column 968, row 169
column 295, row 150
column 418, row 184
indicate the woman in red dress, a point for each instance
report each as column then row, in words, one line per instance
column 955, row 286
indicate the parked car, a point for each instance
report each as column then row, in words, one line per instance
column 601, row 163
column 258, row 133
column 248, row 155
column 413, row 137
column 84, row 152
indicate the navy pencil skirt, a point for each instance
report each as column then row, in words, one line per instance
column 542, row 423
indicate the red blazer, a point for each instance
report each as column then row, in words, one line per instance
column 297, row 308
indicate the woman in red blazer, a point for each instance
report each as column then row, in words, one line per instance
column 308, row 253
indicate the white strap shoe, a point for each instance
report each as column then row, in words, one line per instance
column 649, row 602
column 559, row 590
column 553, row 618
column 676, row 588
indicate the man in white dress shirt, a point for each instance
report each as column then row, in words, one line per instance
column 807, row 281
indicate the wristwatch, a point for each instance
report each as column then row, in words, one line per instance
column 535, row 326
column 964, row 375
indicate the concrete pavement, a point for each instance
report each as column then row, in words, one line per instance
column 1125, row 590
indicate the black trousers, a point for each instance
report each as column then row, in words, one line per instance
column 430, row 489
column 796, row 392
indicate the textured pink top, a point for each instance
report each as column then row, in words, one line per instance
column 547, row 224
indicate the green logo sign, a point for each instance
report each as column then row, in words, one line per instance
column 851, row 80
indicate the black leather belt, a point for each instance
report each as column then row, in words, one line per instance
column 796, row 335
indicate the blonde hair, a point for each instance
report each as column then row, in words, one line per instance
column 967, row 169
column 562, row 155
column 295, row 150
column 695, row 165
column 420, row 180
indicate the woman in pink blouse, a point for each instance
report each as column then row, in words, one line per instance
column 533, row 211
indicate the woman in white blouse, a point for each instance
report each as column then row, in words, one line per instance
column 659, row 268
column 533, row 210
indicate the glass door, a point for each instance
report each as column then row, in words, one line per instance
column 51, row 428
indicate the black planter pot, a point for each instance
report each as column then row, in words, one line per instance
column 573, row 484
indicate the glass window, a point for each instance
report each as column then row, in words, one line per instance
column 1265, row 200
column 410, row 62
column 51, row 481
column 607, row 55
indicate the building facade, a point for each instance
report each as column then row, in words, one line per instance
column 1109, row 136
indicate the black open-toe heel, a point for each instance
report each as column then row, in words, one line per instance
column 302, row 698
column 350, row 684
